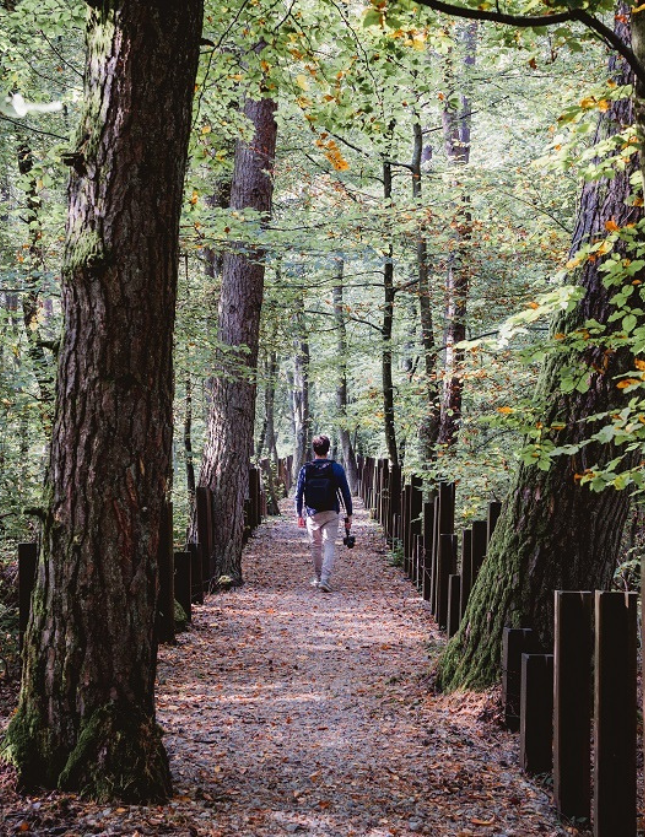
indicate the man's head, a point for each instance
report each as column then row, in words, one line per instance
column 321, row 445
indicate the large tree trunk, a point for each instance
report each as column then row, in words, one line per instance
column 86, row 716
column 554, row 533
column 228, row 452
column 349, row 457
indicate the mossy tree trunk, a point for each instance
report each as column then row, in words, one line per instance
column 554, row 533
column 86, row 715
column 228, row 452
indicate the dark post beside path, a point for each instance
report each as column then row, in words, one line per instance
column 197, row 582
column 183, row 582
column 166, row 602
column 454, row 599
column 446, row 566
column 393, row 501
column 416, row 504
column 204, row 503
column 536, row 713
column 494, row 509
column 434, row 557
column 615, row 715
column 426, row 546
column 572, row 704
column 515, row 642
column 27, row 562
column 406, row 507
column 478, row 548
column 466, row 570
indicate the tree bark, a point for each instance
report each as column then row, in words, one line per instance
column 554, row 533
column 456, row 129
column 300, row 392
column 228, row 452
column 86, row 715
column 386, row 334
column 429, row 429
column 349, row 457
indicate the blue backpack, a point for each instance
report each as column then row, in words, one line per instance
column 320, row 485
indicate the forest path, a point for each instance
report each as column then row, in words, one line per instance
column 288, row 710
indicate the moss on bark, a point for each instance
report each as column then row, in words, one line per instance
column 119, row 755
column 28, row 746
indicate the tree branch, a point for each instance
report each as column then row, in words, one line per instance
column 529, row 21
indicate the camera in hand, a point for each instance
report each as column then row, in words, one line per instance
column 349, row 540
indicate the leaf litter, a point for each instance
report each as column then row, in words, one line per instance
column 290, row 711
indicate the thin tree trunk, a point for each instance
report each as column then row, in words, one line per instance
column 386, row 333
column 554, row 533
column 349, row 457
column 228, row 452
column 86, row 716
column 456, row 125
column 429, row 429
column 188, row 442
column 300, row 391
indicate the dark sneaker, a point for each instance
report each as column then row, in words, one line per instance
column 325, row 586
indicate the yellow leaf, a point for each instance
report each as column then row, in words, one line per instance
column 505, row 410
column 604, row 105
column 627, row 382
column 604, row 248
column 588, row 102
column 301, row 81
column 265, row 66
column 206, row 129
column 611, row 226
column 533, row 305
column 639, row 364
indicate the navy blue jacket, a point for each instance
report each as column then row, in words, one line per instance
column 341, row 483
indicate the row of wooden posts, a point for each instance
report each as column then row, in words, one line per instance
column 425, row 532
column 184, row 576
column 585, row 690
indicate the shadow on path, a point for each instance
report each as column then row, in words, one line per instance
column 288, row 710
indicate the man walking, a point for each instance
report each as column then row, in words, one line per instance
column 319, row 482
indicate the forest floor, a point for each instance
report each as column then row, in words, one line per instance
column 291, row 711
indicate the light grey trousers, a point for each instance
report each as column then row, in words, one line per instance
column 322, row 529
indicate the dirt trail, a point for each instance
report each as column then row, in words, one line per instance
column 292, row 711
column 307, row 712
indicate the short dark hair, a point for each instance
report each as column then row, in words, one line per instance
column 321, row 445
